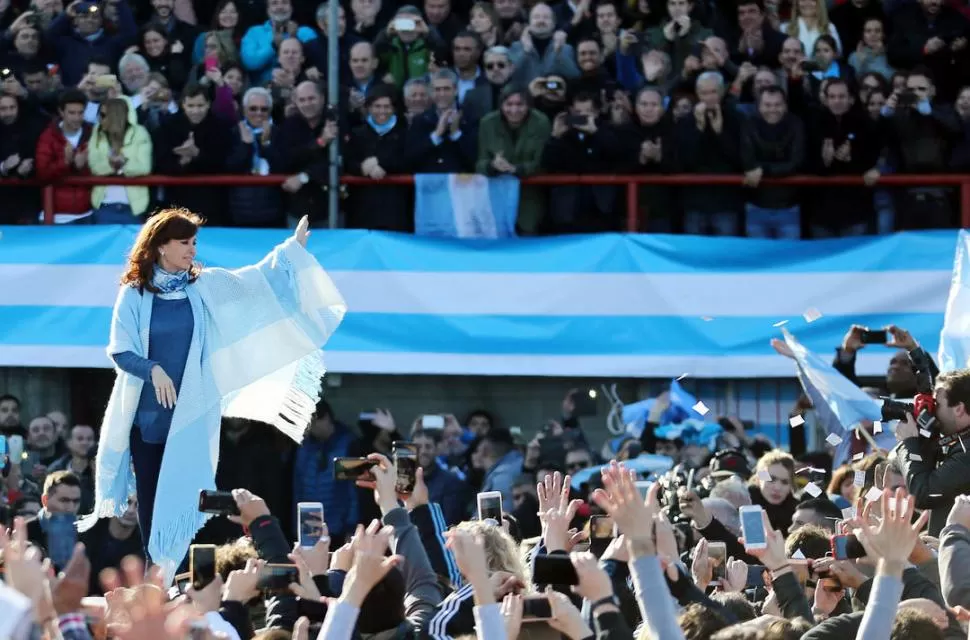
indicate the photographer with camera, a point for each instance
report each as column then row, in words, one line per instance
column 937, row 470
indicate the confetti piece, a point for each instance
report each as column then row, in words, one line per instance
column 877, row 427
column 812, row 314
column 811, row 469
column 701, row 408
column 925, row 433
column 780, row 323
column 936, row 495
column 706, row 318
column 796, row 421
column 859, row 456
column 834, row 440
column 859, row 479
column 848, row 513
column 873, row 494
column 915, row 456
column 682, row 376
column 963, row 445
column 798, row 555
column 764, row 476
column 812, row 489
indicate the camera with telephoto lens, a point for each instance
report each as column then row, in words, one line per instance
column 923, row 405
column 670, row 483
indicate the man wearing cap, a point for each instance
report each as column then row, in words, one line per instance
column 78, row 34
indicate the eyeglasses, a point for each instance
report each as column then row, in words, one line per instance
column 258, row 109
column 495, row 65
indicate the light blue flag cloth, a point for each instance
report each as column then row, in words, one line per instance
column 635, row 416
column 645, row 463
column 955, row 338
column 681, row 405
column 454, row 205
column 847, row 403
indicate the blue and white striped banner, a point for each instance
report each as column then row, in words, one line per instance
column 607, row 305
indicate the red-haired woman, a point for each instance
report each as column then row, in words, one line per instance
column 189, row 344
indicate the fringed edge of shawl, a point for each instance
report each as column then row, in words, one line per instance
column 104, row 508
column 301, row 398
column 179, row 531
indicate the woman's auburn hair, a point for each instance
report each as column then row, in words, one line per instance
column 165, row 225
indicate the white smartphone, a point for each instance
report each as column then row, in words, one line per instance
column 405, row 24
column 310, row 515
column 15, row 449
column 490, row 506
column 753, row 527
column 432, row 422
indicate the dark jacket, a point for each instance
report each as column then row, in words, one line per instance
column 836, row 207
column 313, row 479
column 779, row 515
column 253, row 206
column 428, row 153
column 934, row 476
column 766, row 57
column 910, row 29
column 211, row 136
column 709, row 152
column 480, row 101
column 295, row 149
column 779, row 149
column 383, row 207
column 105, row 551
column 920, row 143
column 20, row 138
column 449, row 491
column 74, row 51
column 657, row 204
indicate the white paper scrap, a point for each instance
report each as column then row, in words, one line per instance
column 701, row 408
column 812, row 314
column 796, row 421
column 834, row 440
column 873, row 494
column 764, row 476
column 848, row 513
column 780, row 323
column 859, row 479
column 812, row 489
column 877, row 427
column 798, row 555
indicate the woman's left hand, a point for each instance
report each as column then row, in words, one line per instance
column 302, row 231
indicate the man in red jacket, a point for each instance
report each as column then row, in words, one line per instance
column 62, row 150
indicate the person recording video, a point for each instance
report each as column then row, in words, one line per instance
column 933, row 456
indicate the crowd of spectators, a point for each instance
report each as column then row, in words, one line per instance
column 674, row 560
column 747, row 87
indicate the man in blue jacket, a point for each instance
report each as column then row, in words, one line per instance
column 445, row 487
column 78, row 35
column 313, row 479
column 259, row 45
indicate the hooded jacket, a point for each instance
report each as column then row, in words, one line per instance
column 137, row 149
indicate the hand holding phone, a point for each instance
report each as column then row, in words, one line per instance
column 554, row 569
column 847, row 547
column 353, row 469
column 753, row 527
column 880, row 336
column 310, row 517
column 220, row 503
column 202, row 565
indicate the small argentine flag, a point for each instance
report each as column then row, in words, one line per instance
column 465, row 205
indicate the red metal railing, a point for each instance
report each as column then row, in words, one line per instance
column 631, row 182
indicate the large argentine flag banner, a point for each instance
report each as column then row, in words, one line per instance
column 465, row 205
column 605, row 305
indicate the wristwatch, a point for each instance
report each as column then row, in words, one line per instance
column 608, row 600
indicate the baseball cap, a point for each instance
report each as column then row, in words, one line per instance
column 728, row 463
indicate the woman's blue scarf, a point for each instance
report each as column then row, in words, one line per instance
column 170, row 286
column 382, row 129
column 832, row 72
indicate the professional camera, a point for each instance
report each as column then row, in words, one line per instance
column 923, row 405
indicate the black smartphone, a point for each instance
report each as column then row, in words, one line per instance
column 406, row 462
column 555, row 569
column 221, row 503
column 584, row 401
column 600, row 534
column 277, row 578
column 577, row 121
column 352, row 469
column 808, row 66
column 535, row 608
column 880, row 336
column 847, row 547
column 202, row 565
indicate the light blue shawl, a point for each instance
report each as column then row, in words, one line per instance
column 255, row 353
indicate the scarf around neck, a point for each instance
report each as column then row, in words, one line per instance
column 170, row 286
column 382, row 129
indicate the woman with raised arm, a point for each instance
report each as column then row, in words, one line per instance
column 191, row 345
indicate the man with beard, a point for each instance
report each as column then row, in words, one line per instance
column 540, row 52
column 78, row 35
column 445, row 488
column 10, row 416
